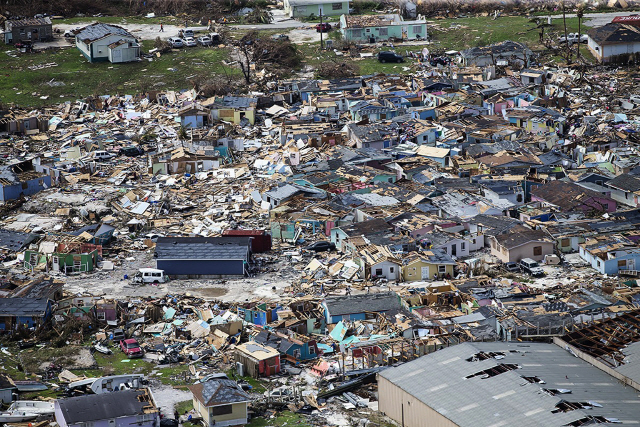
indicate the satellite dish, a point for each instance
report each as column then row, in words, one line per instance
column 268, row 123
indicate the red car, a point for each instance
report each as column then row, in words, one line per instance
column 325, row 27
column 131, row 348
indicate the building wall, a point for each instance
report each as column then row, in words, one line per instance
column 314, row 9
column 124, row 53
column 6, row 396
column 27, row 188
column 390, row 270
column 405, row 409
column 98, row 50
column 524, row 251
column 201, row 267
column 43, row 33
column 238, row 415
column 202, row 410
column 413, row 271
column 406, row 31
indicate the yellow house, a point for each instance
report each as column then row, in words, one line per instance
column 426, row 265
column 220, row 402
column 232, row 108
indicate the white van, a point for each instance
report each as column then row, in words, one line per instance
column 150, row 275
column 102, row 155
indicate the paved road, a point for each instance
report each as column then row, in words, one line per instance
column 597, row 19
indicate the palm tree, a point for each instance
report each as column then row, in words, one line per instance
column 579, row 14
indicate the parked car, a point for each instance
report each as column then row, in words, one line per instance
column 530, row 266
column 190, row 42
column 573, row 38
column 118, row 335
column 280, row 37
column 131, row 348
column 101, row 155
column 187, row 32
column 176, row 42
column 389, row 57
column 279, row 393
column 131, row 151
column 325, row 27
column 321, row 246
column 70, row 33
column 204, row 41
column 511, row 267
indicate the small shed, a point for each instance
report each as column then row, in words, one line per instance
column 31, row 29
column 258, row 360
column 124, row 51
column 7, row 387
column 221, row 402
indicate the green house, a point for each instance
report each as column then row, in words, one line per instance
column 62, row 261
column 375, row 28
column 306, row 8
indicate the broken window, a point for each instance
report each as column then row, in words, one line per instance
column 564, row 406
column 221, row 410
column 378, row 272
column 590, row 420
column 534, row 380
column 496, row 370
column 556, row 391
column 484, row 356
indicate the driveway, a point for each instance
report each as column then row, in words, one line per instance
column 596, row 19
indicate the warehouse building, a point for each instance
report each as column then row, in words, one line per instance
column 504, row 384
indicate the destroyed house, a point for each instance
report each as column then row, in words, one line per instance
column 26, row 124
column 507, row 52
column 7, row 387
column 122, row 408
column 258, row 314
column 360, row 307
column 28, row 29
column 570, row 197
column 69, row 257
column 202, row 257
column 427, row 265
column 100, row 42
column 15, row 241
column 257, row 360
column 21, row 179
column 233, row 109
column 293, row 348
column 611, row 254
column 220, row 402
column 481, row 384
column 23, row 313
column 376, row 136
column 340, row 234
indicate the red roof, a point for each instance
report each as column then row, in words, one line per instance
column 629, row 20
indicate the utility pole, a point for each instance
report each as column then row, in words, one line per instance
column 321, row 31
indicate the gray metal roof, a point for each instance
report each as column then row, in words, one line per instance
column 99, row 30
column 95, row 407
column 23, row 307
column 508, row 399
column 202, row 248
column 15, row 240
column 221, row 391
column 352, row 304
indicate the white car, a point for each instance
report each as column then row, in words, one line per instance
column 176, row 42
column 573, row 38
column 190, row 42
column 279, row 393
column 204, row 41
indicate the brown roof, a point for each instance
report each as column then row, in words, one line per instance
column 566, row 195
column 521, row 235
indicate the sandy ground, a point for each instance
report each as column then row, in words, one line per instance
column 112, row 284
column 167, row 397
column 141, row 31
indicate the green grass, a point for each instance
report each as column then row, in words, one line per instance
column 172, row 71
column 283, row 418
column 258, row 386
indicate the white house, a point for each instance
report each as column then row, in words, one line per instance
column 612, row 40
column 100, row 42
column 305, row 8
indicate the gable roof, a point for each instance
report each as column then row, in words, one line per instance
column 521, row 235
column 98, row 30
column 566, row 195
column 614, row 33
column 29, row 307
column 219, row 392
column 96, row 407
column 350, row 304
column 202, row 248
column 625, row 182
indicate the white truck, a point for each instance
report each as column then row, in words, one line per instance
column 573, row 38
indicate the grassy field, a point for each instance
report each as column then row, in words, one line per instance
column 74, row 77
column 283, row 418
